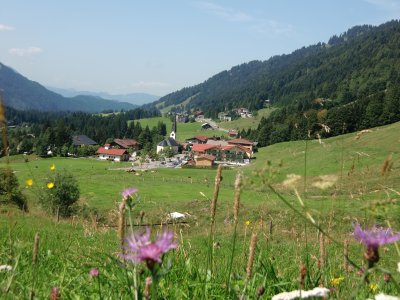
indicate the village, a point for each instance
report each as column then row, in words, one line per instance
column 197, row 151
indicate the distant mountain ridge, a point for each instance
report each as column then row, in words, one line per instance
column 133, row 98
column 21, row 93
column 355, row 64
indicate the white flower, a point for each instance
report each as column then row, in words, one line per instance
column 385, row 297
column 4, row 268
column 316, row 292
column 398, row 267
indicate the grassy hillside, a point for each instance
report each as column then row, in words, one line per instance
column 185, row 130
column 246, row 123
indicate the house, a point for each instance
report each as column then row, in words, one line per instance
column 204, row 160
column 249, row 145
column 182, row 117
column 168, row 143
column 82, row 140
column 222, row 152
column 198, row 139
column 199, row 149
column 125, row 144
column 105, row 153
column 232, row 133
column 206, row 126
column 223, row 116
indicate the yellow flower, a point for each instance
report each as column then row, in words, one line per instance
column 52, row 167
column 336, row 281
column 247, row 223
column 50, row 185
column 373, row 287
column 29, row 182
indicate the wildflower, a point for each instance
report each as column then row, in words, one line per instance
column 247, row 223
column 337, row 281
column 398, row 267
column 4, row 268
column 94, row 272
column 128, row 192
column 139, row 247
column 52, row 167
column 374, row 238
column 55, row 293
column 29, row 182
column 373, row 287
column 387, row 277
column 50, row 185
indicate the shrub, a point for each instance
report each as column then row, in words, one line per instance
column 9, row 189
column 62, row 193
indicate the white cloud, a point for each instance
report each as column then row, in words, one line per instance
column 149, row 84
column 227, row 14
column 257, row 25
column 6, row 27
column 25, row 51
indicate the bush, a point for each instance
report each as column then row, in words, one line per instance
column 9, row 189
column 62, row 193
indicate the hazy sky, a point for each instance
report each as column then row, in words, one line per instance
column 162, row 46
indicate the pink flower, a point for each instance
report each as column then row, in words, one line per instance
column 128, row 192
column 55, row 293
column 94, row 272
column 374, row 238
column 140, row 248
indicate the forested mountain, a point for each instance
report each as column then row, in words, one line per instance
column 361, row 62
column 22, row 93
column 133, row 98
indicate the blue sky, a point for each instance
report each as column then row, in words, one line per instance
column 161, row 46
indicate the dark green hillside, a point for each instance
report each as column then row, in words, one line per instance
column 361, row 62
column 21, row 93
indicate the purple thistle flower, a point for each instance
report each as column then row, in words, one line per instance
column 374, row 238
column 128, row 192
column 140, row 248
column 94, row 272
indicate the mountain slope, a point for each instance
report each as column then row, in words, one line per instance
column 133, row 98
column 22, row 93
column 360, row 62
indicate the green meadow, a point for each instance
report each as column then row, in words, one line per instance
column 291, row 195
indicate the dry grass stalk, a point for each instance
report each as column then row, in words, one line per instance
column 146, row 291
column 35, row 249
column 238, row 184
column 303, row 273
column 322, row 253
column 387, row 164
column 216, row 191
column 346, row 255
column 252, row 252
column 121, row 222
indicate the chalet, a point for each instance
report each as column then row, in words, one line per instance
column 242, row 142
column 125, row 144
column 198, row 139
column 232, row 133
column 223, row 116
column 82, row 140
column 199, row 149
column 222, row 153
column 182, row 117
column 105, row 153
column 204, row 160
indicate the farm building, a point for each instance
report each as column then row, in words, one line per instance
column 82, row 140
column 204, row 160
column 125, row 144
column 105, row 153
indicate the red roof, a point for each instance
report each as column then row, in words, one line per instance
column 233, row 131
column 202, row 147
column 103, row 150
column 240, row 141
column 202, row 138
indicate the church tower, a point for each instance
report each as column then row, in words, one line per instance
column 173, row 132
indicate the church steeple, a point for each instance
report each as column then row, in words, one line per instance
column 173, row 132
